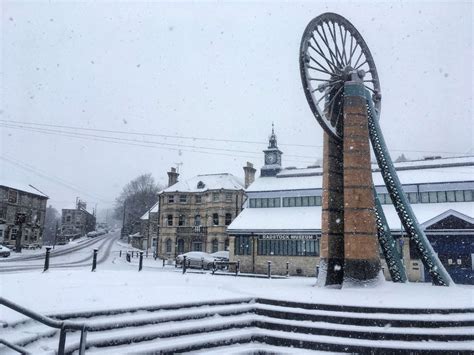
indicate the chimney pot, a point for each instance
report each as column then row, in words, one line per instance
column 249, row 171
column 172, row 177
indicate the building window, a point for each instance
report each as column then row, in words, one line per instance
column 180, row 246
column 68, row 219
column 215, row 245
column 450, row 196
column 197, row 245
column 441, row 195
column 228, row 197
column 459, row 196
column 242, row 245
column 198, row 199
column 226, row 244
column 168, row 245
column 3, row 213
column 197, row 220
column 413, row 197
column 12, row 196
column 424, row 197
column 181, row 220
column 252, row 203
column 13, row 233
column 468, row 195
column 308, row 247
column 215, row 219
column 183, row 198
column 169, row 219
column 215, row 197
column 228, row 218
column 170, row 198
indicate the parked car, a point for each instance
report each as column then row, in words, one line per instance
column 4, row 251
column 195, row 259
column 92, row 234
column 221, row 255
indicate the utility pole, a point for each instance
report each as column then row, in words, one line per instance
column 123, row 218
column 55, row 234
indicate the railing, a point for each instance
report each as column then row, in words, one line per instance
column 64, row 327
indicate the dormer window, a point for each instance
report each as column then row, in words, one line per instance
column 200, row 185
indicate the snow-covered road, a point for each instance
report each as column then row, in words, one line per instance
column 76, row 254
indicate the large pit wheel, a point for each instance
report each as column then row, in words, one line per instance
column 331, row 51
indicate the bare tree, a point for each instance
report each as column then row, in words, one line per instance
column 51, row 219
column 137, row 197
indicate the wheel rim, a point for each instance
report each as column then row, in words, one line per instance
column 331, row 49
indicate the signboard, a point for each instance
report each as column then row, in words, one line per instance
column 283, row 236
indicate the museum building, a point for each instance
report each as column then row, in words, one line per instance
column 281, row 219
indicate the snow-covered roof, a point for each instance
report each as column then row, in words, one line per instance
column 420, row 172
column 301, row 219
column 22, row 187
column 153, row 209
column 206, row 182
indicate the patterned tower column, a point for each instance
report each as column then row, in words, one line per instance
column 331, row 267
column 362, row 262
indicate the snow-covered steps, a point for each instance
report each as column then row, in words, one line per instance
column 258, row 325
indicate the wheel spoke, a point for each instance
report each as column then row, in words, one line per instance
column 321, row 53
column 320, row 65
column 322, row 71
column 326, row 42
column 360, row 55
column 361, row 64
column 334, row 37
column 336, row 50
column 343, row 43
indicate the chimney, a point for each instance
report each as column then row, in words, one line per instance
column 249, row 174
column 172, row 177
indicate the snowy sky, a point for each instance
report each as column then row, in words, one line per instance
column 207, row 71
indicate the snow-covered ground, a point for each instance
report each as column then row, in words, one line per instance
column 118, row 284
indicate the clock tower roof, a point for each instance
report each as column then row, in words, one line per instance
column 272, row 156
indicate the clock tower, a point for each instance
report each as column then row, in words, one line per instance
column 272, row 157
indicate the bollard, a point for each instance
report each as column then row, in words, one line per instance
column 163, row 262
column 214, row 267
column 269, row 269
column 46, row 259
column 120, row 255
column 155, row 255
column 237, row 268
column 146, row 254
column 140, row 262
column 94, row 260
column 184, row 264
column 317, row 271
column 128, row 257
column 202, row 263
column 287, row 269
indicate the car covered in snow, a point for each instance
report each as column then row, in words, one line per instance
column 196, row 259
column 221, row 255
column 4, row 251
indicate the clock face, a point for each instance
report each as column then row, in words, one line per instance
column 271, row 158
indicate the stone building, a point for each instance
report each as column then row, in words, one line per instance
column 194, row 214
column 147, row 237
column 76, row 222
column 281, row 219
column 21, row 199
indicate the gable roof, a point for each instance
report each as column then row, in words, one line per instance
column 153, row 209
column 446, row 214
column 22, row 187
column 209, row 182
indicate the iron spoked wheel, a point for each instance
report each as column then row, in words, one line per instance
column 331, row 50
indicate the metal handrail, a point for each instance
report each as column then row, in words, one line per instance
column 64, row 326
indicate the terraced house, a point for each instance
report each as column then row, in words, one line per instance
column 14, row 199
column 194, row 214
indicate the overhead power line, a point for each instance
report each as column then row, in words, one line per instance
column 75, row 128
column 48, row 177
column 149, row 144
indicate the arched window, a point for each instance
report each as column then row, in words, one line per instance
column 215, row 245
column 168, row 245
column 180, row 245
column 197, row 220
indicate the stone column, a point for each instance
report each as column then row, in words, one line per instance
column 331, row 267
column 362, row 262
